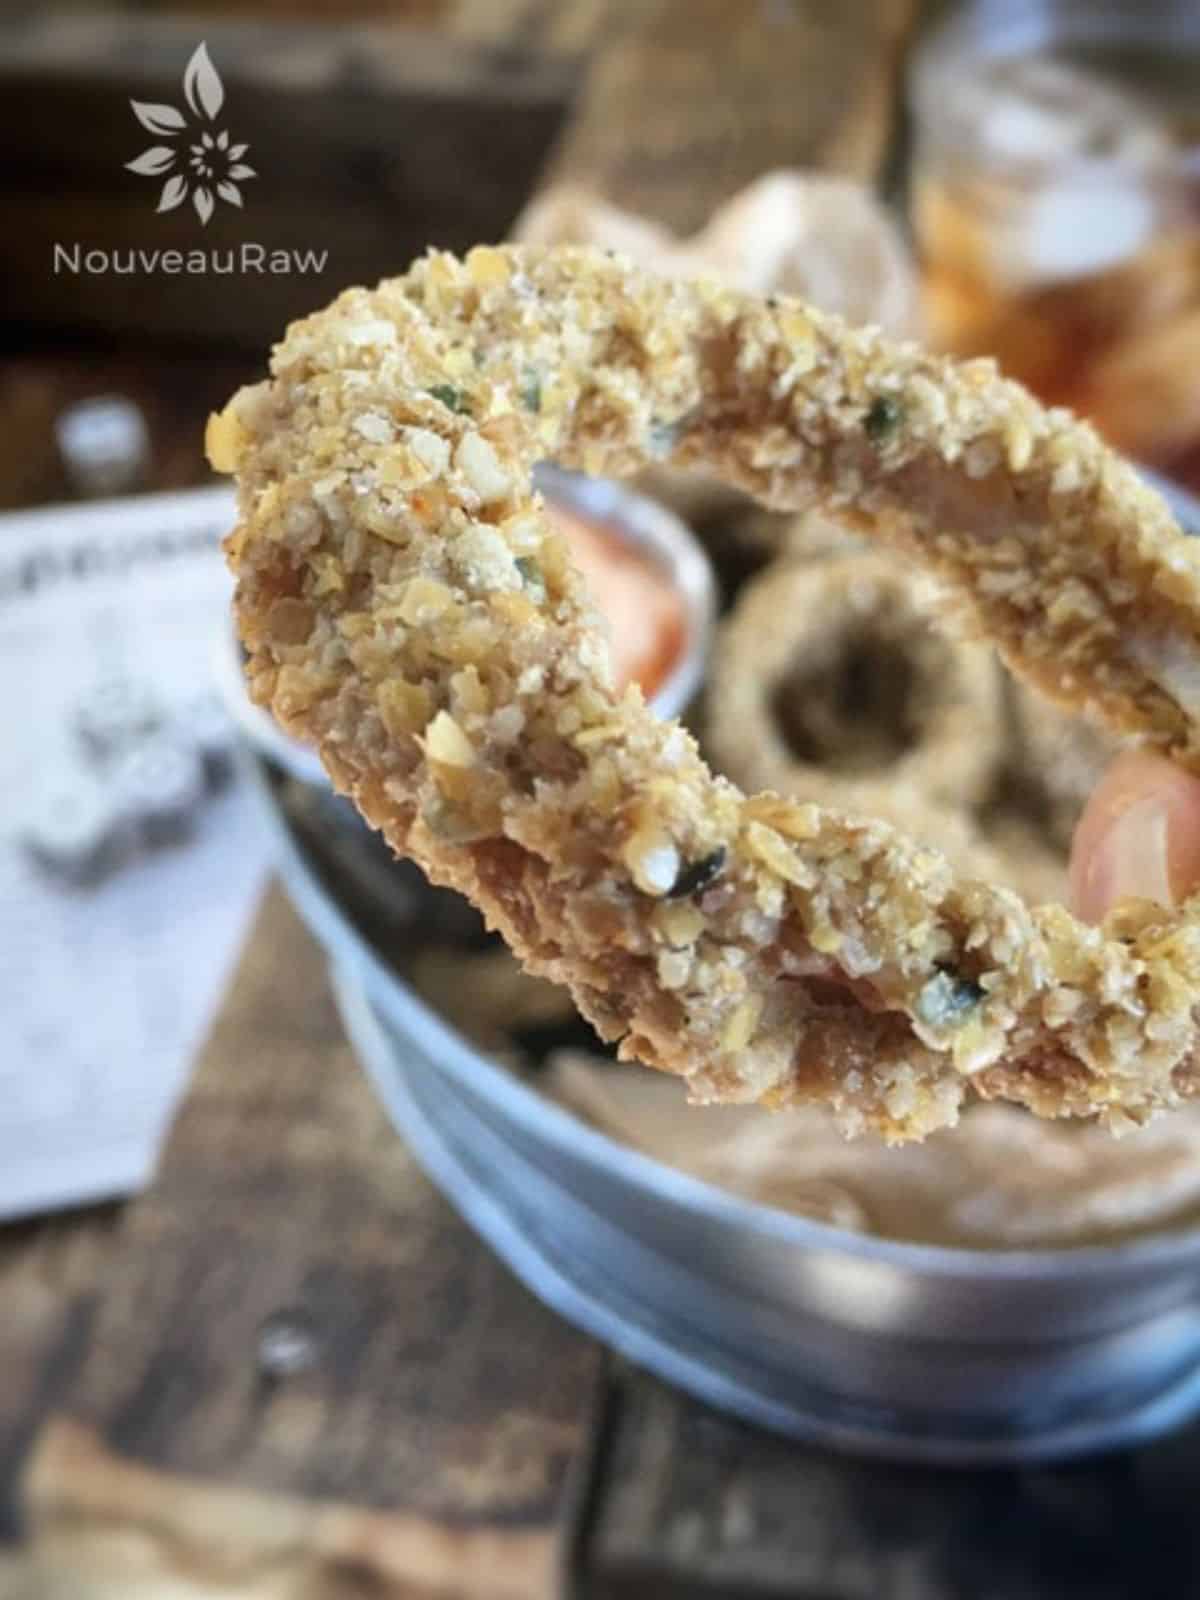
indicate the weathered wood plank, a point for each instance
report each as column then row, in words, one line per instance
column 690, row 102
column 429, row 1384
column 48, row 1294
column 684, row 1502
column 106, row 1528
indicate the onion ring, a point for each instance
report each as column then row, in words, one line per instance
column 830, row 621
column 405, row 605
column 830, row 683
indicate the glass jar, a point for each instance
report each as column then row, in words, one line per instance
column 1055, row 197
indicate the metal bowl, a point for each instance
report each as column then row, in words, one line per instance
column 642, row 523
column 902, row 1351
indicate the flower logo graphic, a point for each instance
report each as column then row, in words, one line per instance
column 202, row 165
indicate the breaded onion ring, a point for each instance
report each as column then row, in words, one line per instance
column 833, row 648
column 406, row 606
column 831, row 682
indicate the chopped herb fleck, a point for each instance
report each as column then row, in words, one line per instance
column 531, row 577
column 531, row 391
column 662, row 437
column 697, row 875
column 947, row 1001
column 883, row 418
column 453, row 399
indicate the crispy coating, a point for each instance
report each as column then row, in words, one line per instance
column 832, row 682
column 406, row 606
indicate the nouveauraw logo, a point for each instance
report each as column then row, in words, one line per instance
column 201, row 162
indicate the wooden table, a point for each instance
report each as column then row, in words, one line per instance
column 289, row 1371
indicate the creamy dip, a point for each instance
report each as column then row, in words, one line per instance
column 1001, row 1180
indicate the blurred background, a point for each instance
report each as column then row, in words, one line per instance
column 249, row 1351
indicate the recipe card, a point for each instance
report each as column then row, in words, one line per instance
column 130, row 856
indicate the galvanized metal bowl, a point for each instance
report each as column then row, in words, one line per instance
column 905, row 1351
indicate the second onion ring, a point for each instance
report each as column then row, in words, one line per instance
column 832, row 682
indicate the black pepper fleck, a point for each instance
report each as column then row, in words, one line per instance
column 697, row 875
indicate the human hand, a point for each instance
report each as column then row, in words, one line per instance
column 1139, row 835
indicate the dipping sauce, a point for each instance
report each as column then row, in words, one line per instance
column 643, row 608
column 1001, row 1180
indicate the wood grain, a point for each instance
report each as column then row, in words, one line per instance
column 49, row 1276
column 106, row 1528
column 689, row 1503
column 690, row 102
column 438, row 1388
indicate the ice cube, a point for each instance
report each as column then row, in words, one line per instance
column 1073, row 175
column 1072, row 230
column 1045, row 111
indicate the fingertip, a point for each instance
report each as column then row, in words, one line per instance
column 1139, row 836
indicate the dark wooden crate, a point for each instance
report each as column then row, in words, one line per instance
column 370, row 142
